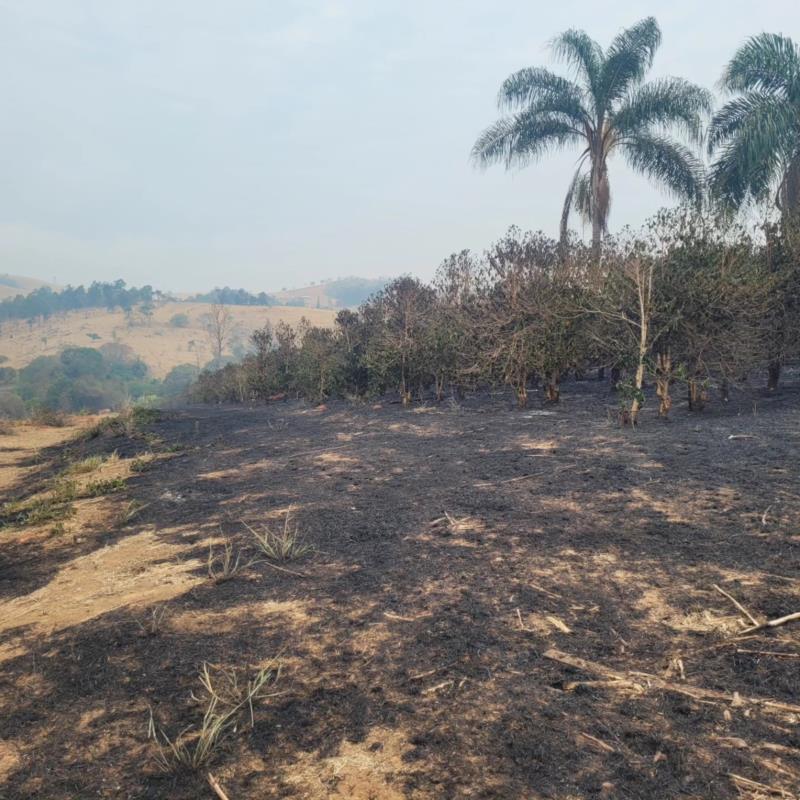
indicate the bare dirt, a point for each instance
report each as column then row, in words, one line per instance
column 499, row 604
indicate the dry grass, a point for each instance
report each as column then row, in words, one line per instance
column 160, row 345
column 285, row 544
column 86, row 465
column 152, row 624
column 226, row 698
column 225, row 566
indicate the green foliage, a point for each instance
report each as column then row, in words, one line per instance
column 84, row 379
column 531, row 309
column 234, row 297
column 46, row 302
column 179, row 320
column 755, row 137
column 605, row 110
column 103, row 487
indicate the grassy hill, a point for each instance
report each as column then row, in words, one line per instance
column 341, row 293
column 12, row 285
column 158, row 342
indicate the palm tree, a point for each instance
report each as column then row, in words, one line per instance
column 756, row 135
column 607, row 108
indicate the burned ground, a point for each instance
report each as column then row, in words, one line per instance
column 463, row 554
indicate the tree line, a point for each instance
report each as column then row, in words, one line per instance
column 691, row 300
column 694, row 298
column 45, row 302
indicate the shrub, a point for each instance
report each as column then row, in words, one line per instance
column 180, row 320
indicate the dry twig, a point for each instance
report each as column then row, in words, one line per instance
column 737, row 604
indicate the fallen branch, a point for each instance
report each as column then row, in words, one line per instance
column 218, row 790
column 391, row 615
column 442, row 685
column 773, row 623
column 737, row 604
column 604, row 746
column 654, row 682
column 746, row 783
column 775, row 653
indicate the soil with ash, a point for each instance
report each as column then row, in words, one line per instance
column 499, row 604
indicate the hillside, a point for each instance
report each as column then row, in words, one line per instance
column 341, row 293
column 12, row 285
column 158, row 343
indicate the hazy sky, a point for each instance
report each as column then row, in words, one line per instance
column 255, row 143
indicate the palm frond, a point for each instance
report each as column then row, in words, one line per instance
column 522, row 138
column 767, row 62
column 765, row 111
column 577, row 187
column 755, row 137
column 578, row 49
column 666, row 162
column 628, row 58
column 664, row 103
column 532, row 85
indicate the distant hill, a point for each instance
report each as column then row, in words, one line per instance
column 12, row 285
column 341, row 293
column 174, row 334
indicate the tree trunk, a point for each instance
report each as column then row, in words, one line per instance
column 773, row 375
column 552, row 392
column 601, row 374
column 697, row 395
column 616, row 374
column 597, row 231
column 663, row 378
column 522, row 396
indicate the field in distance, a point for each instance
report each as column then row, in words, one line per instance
column 159, row 342
column 12, row 285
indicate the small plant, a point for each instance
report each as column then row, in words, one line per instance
column 51, row 507
column 286, row 544
column 130, row 511
column 630, row 398
column 86, row 465
column 6, row 427
column 226, row 699
column 142, row 463
column 103, row 487
column 226, row 566
column 152, row 624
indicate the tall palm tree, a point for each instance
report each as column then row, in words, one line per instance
column 756, row 135
column 607, row 108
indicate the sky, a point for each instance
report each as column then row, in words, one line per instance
column 262, row 144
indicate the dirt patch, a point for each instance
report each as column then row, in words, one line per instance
column 455, row 552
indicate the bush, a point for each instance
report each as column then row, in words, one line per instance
column 11, row 405
column 179, row 320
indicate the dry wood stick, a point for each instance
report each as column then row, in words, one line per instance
column 599, row 742
column 695, row 692
column 773, row 623
column 760, row 787
column 775, row 653
column 218, row 790
column 438, row 686
column 737, row 604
